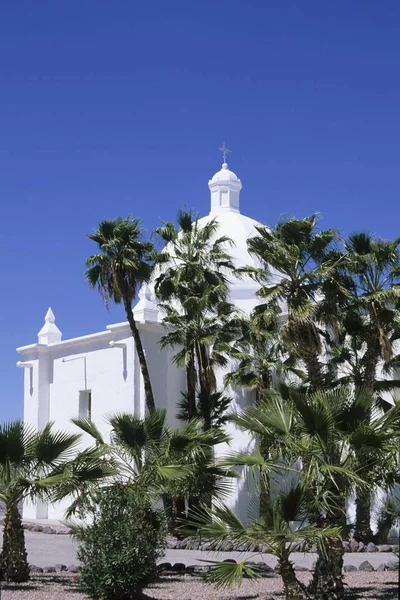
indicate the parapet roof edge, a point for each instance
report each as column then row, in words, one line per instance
column 86, row 339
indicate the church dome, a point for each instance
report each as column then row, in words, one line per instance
column 224, row 175
column 239, row 229
column 225, row 189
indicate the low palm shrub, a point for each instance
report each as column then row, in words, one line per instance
column 273, row 532
column 33, row 465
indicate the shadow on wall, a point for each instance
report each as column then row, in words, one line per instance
column 245, row 504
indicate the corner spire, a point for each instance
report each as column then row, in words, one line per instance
column 49, row 334
column 145, row 310
column 49, row 316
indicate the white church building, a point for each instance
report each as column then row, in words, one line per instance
column 97, row 374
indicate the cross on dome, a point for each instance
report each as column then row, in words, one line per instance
column 224, row 151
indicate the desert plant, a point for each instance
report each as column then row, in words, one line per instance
column 165, row 463
column 118, row 550
column 273, row 532
column 329, row 431
column 32, row 465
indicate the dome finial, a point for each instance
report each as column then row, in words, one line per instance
column 225, row 150
column 225, row 187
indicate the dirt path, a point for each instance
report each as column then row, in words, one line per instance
column 374, row 586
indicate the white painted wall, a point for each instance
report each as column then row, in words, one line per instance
column 61, row 371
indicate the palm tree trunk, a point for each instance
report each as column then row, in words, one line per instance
column 327, row 582
column 13, row 564
column 202, row 362
column 372, row 354
column 294, row 590
column 178, row 517
column 151, row 406
column 264, row 484
column 314, row 371
column 204, row 388
column 191, row 386
column 264, row 480
column 362, row 531
column 371, row 359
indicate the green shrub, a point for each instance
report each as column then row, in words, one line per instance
column 118, row 551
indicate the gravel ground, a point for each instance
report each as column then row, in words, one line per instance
column 374, row 586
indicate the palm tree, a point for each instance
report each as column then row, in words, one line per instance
column 163, row 462
column 192, row 252
column 364, row 351
column 204, row 334
column 32, row 465
column 328, row 431
column 192, row 284
column 346, row 367
column 374, row 266
column 375, row 448
column 261, row 364
column 124, row 263
column 260, row 358
column 369, row 442
column 272, row 532
column 305, row 258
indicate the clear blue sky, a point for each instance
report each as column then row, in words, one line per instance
column 109, row 108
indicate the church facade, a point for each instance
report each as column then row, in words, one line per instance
column 98, row 374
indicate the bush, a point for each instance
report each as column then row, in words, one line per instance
column 118, row 551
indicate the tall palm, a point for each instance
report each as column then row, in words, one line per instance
column 368, row 442
column 259, row 357
column 371, row 330
column 346, row 367
column 123, row 264
column 305, row 258
column 193, row 251
column 32, row 465
column 260, row 365
column 205, row 334
column 192, row 284
column 374, row 266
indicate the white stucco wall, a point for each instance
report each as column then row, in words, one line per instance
column 61, row 371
